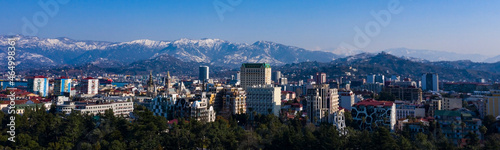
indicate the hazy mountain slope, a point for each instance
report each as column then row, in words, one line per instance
column 386, row 64
column 433, row 55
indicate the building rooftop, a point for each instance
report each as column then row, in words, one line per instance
column 20, row 102
column 63, row 77
column 371, row 102
column 290, row 92
column 32, row 77
column 256, row 65
column 346, row 94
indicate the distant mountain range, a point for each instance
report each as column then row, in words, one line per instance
column 360, row 65
column 387, row 64
column 420, row 54
column 433, row 55
column 158, row 64
column 35, row 52
column 184, row 55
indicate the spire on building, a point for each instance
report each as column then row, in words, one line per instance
column 150, row 81
column 151, row 86
column 167, row 81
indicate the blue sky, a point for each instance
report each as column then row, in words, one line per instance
column 456, row 26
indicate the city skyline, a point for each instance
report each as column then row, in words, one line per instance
column 315, row 26
column 241, row 74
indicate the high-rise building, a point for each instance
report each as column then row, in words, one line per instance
column 204, row 70
column 434, row 105
column 375, row 78
column 405, row 84
column 320, row 78
column 370, row 78
column 451, row 103
column 238, row 76
column 430, row 82
column 404, row 110
column 276, row 76
column 38, row 85
column 263, row 99
column 373, row 87
column 283, row 81
column 234, row 101
column 322, row 103
column 90, row 86
column 347, row 99
column 201, row 111
column 379, row 78
column 62, row 86
column 493, row 103
column 219, row 93
column 299, row 89
column 255, row 74
column 395, row 78
column 409, row 93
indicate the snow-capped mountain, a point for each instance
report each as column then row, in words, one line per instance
column 60, row 51
column 215, row 51
column 47, row 44
column 343, row 52
column 433, row 55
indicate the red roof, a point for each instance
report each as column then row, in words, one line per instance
column 346, row 94
column 32, row 77
column 19, row 102
column 296, row 105
column 88, row 78
column 63, row 77
column 340, row 108
column 371, row 102
column 19, row 93
column 290, row 92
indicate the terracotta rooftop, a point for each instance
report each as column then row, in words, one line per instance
column 20, row 102
column 371, row 102
column 284, row 92
column 32, row 77
column 346, row 94
column 63, row 77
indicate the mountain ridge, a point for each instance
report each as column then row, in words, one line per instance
column 387, row 64
column 35, row 52
column 64, row 51
column 434, row 55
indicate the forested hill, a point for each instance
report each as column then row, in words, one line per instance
column 383, row 63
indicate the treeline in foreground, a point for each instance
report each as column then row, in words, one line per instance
column 42, row 130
